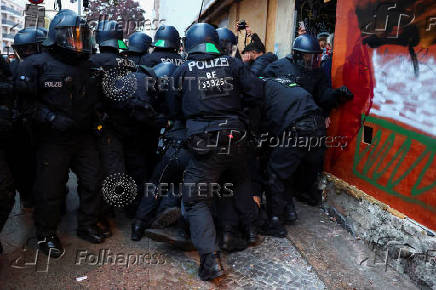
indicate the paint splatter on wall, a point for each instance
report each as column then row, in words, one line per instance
column 385, row 52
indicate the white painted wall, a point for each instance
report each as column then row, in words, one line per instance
column 402, row 96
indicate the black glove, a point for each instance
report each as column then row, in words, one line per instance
column 343, row 95
column 62, row 123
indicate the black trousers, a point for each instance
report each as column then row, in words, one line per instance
column 202, row 173
column 54, row 159
column 22, row 160
column 131, row 155
column 283, row 163
column 169, row 170
column 7, row 189
column 238, row 210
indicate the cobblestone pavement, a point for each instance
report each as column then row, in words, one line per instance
column 274, row 264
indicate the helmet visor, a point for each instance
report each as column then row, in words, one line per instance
column 309, row 61
column 75, row 38
column 227, row 48
column 23, row 51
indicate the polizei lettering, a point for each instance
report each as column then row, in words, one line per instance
column 175, row 61
column 52, row 84
column 202, row 64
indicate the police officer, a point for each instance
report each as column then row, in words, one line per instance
column 292, row 115
column 109, row 36
column 228, row 42
column 26, row 42
column 7, row 187
column 125, row 143
column 304, row 67
column 159, row 207
column 139, row 43
column 230, row 210
column 63, row 112
column 210, row 102
column 166, row 46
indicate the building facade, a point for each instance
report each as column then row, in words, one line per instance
column 12, row 20
column 386, row 54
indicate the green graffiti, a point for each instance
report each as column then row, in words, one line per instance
column 374, row 163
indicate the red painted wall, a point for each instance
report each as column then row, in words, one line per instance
column 386, row 55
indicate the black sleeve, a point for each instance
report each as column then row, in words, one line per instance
column 251, row 86
column 174, row 96
column 270, row 71
column 261, row 63
column 325, row 97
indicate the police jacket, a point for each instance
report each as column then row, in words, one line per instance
column 136, row 58
column 125, row 100
column 315, row 82
column 59, row 86
column 285, row 104
column 259, row 65
column 158, row 56
column 213, row 90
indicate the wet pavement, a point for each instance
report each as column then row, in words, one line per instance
column 120, row 263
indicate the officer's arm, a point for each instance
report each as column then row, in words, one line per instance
column 325, row 97
column 270, row 71
column 174, row 96
column 26, row 87
column 251, row 86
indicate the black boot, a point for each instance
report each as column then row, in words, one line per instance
column 50, row 245
column 91, row 234
column 290, row 214
column 275, row 228
column 105, row 228
column 231, row 240
column 166, row 218
column 1, row 248
column 210, row 266
column 176, row 236
column 138, row 228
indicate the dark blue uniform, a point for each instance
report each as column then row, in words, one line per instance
column 315, row 82
column 169, row 170
column 210, row 101
column 63, row 113
column 7, row 187
column 291, row 111
column 261, row 63
column 159, row 56
column 125, row 144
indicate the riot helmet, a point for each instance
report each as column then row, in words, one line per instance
column 306, row 52
column 51, row 35
column 139, row 42
column 202, row 38
column 167, row 37
column 28, row 41
column 74, row 35
column 110, row 34
column 227, row 40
